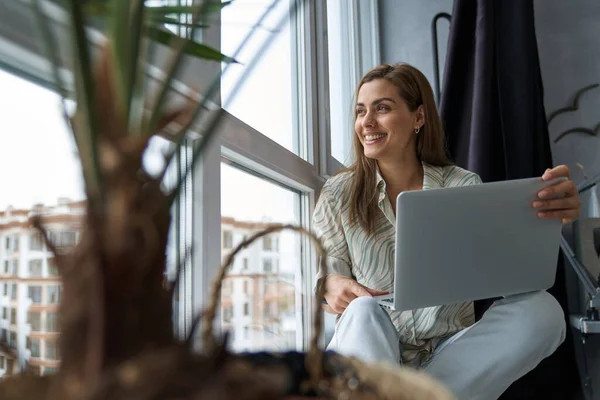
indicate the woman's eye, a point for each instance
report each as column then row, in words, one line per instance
column 359, row 111
column 382, row 108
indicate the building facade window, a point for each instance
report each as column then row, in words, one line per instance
column 54, row 292
column 35, row 294
column 51, row 350
column 34, row 318
column 35, row 268
column 36, row 242
column 33, row 345
column 51, row 323
column 227, row 240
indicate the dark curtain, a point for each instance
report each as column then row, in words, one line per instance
column 493, row 111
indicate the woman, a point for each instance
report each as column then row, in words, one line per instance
column 399, row 145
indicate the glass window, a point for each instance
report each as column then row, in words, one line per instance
column 267, row 243
column 53, row 294
column 13, row 316
column 1, row 362
column 35, row 320
column 14, row 292
column 227, row 240
column 267, row 265
column 36, row 242
column 4, row 313
column 35, row 268
column 7, row 270
column 341, row 80
column 52, row 268
column 263, row 203
column 267, row 101
column 51, row 351
column 51, row 324
column 33, row 345
column 35, row 294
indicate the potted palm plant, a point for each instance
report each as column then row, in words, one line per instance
column 117, row 339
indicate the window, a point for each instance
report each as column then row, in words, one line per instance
column 7, row 270
column 246, row 333
column 35, row 294
column 2, row 335
column 7, row 243
column 52, row 268
column 13, row 316
column 6, row 289
column 12, row 339
column 267, row 265
column 271, row 83
column 245, row 287
column 33, row 344
column 264, row 203
column 51, row 324
column 267, row 243
column 245, row 263
column 53, row 294
column 49, row 370
column 51, row 351
column 35, row 320
column 2, row 365
column 63, row 239
column 227, row 314
column 227, row 240
column 36, row 242
column 14, row 292
column 4, row 313
column 35, row 268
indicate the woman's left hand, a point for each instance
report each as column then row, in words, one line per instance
column 559, row 201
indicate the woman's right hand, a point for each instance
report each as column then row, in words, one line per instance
column 341, row 290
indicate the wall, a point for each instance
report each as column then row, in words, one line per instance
column 405, row 32
column 568, row 36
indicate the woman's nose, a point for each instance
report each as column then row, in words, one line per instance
column 369, row 120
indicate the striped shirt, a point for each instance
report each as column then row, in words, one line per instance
column 369, row 259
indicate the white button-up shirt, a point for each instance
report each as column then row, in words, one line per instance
column 369, row 259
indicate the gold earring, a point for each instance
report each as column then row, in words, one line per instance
column 417, row 130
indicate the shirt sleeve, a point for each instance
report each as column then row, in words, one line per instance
column 473, row 179
column 327, row 225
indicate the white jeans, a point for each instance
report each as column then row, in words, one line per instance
column 477, row 363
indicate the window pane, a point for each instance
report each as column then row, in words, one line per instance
column 340, row 81
column 267, row 100
column 45, row 176
column 262, row 307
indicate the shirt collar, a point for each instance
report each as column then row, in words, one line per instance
column 432, row 178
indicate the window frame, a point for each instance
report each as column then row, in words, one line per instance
column 198, row 213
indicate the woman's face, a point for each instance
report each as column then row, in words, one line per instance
column 384, row 124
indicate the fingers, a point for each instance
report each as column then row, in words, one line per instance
column 375, row 292
column 566, row 215
column 556, row 172
column 566, row 187
column 339, row 306
column 565, row 208
column 359, row 290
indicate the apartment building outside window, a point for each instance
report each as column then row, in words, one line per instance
column 35, row 294
column 35, row 268
column 53, row 294
column 34, row 318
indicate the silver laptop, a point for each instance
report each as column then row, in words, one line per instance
column 470, row 243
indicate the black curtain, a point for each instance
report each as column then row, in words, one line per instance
column 493, row 111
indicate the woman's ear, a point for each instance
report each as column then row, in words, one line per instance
column 420, row 115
